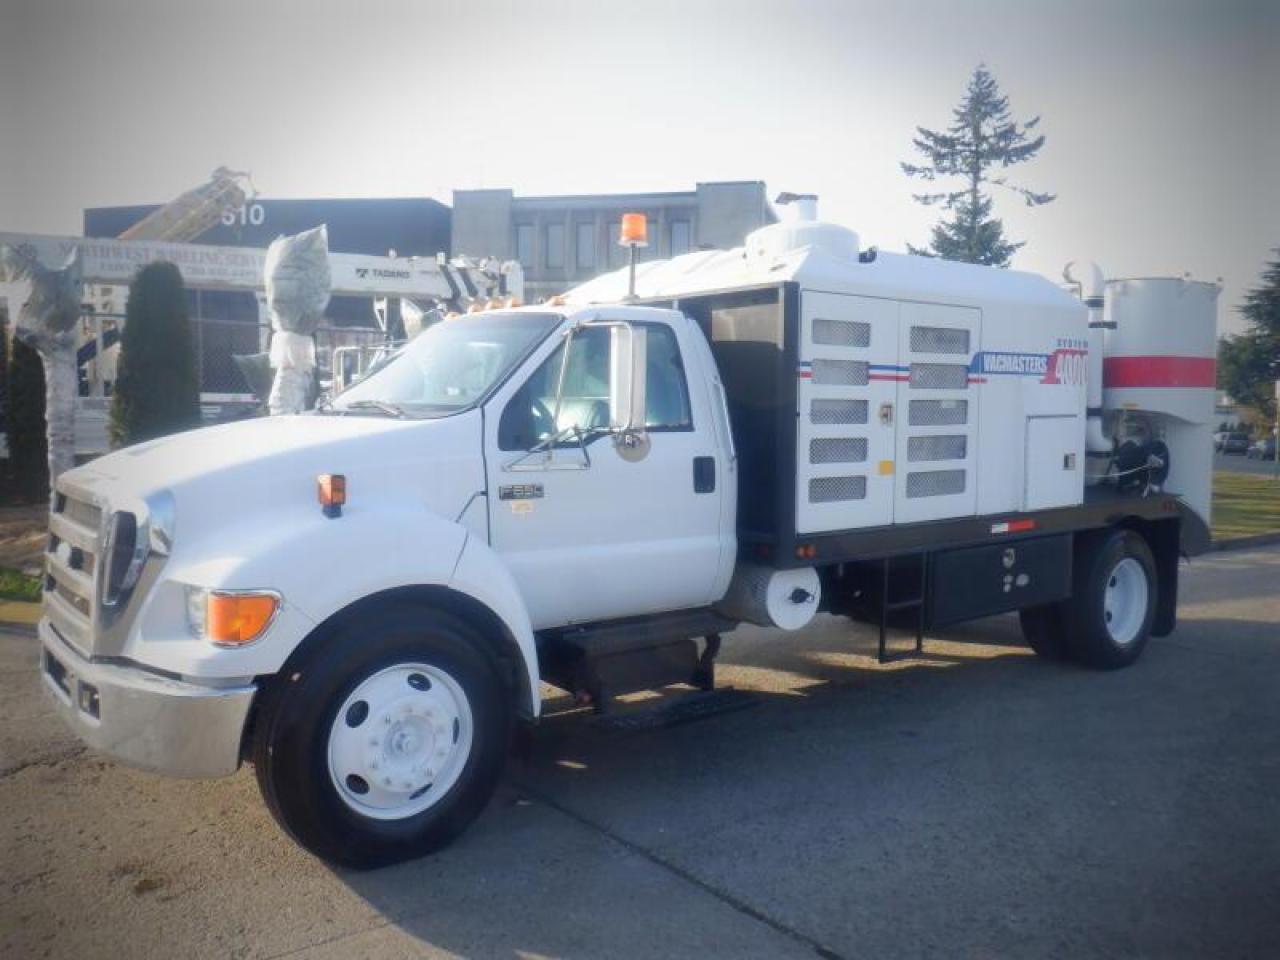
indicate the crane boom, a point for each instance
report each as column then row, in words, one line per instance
column 190, row 215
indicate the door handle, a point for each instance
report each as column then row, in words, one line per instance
column 704, row 474
column 886, row 414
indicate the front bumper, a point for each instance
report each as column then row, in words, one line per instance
column 144, row 719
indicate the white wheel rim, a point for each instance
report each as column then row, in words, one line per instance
column 1124, row 603
column 400, row 740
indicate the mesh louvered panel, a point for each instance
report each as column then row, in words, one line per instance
column 842, row 373
column 936, row 448
column 829, row 489
column 935, row 483
column 938, row 413
column 939, row 340
column 841, row 333
column 838, row 450
column 938, row 376
column 838, row 411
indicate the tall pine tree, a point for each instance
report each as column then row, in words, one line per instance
column 157, row 389
column 1249, row 362
column 982, row 141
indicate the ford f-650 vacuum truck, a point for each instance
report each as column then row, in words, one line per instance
column 587, row 493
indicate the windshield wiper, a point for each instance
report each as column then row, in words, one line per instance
column 390, row 409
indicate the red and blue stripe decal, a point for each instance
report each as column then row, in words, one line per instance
column 888, row 371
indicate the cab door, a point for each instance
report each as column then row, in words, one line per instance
column 586, row 533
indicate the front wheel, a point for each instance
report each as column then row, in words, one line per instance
column 385, row 740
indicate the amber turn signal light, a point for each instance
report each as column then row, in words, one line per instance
column 331, row 490
column 234, row 619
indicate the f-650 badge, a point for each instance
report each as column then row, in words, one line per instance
column 521, row 491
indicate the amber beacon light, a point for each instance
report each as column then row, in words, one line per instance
column 633, row 235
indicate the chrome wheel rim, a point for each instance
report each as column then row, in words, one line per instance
column 399, row 742
column 1124, row 603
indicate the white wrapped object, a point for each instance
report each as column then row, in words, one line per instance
column 298, row 280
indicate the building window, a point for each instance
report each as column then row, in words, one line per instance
column 681, row 237
column 617, row 252
column 524, row 244
column 586, row 246
column 555, row 246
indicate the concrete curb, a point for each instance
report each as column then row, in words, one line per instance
column 16, row 613
column 1244, row 543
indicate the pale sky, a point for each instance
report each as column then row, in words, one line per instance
column 1162, row 116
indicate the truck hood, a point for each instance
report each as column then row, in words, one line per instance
column 259, row 464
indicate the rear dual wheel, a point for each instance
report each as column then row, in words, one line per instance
column 1106, row 623
column 386, row 739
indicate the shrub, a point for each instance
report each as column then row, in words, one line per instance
column 157, row 390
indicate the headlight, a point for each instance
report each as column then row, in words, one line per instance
column 230, row 618
column 124, row 553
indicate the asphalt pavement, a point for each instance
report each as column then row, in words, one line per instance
column 978, row 802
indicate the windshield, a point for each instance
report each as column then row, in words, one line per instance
column 449, row 366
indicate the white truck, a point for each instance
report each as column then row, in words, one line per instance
column 589, row 493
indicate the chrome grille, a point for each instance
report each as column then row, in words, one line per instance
column 72, row 565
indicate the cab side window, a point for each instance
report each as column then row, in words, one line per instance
column 666, row 390
column 530, row 415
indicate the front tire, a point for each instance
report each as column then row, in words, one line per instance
column 385, row 739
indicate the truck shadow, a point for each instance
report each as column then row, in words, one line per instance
column 620, row 842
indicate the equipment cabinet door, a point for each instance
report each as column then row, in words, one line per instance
column 937, row 413
column 591, row 535
column 848, row 349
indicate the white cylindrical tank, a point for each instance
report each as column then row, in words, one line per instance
column 1161, row 351
column 1160, row 367
column 787, row 599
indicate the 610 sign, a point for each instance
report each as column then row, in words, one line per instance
column 245, row 215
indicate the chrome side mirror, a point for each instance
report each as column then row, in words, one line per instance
column 627, row 374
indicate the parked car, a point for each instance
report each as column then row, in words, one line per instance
column 1235, row 443
column 1264, row 449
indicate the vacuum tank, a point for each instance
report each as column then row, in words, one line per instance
column 1159, row 379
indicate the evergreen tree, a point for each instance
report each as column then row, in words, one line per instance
column 1249, row 362
column 28, row 444
column 982, row 140
column 157, row 389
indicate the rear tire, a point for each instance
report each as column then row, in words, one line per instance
column 385, row 739
column 1108, row 619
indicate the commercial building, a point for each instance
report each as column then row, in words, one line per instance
column 564, row 240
